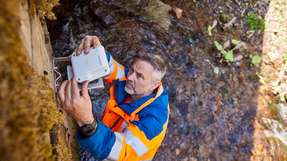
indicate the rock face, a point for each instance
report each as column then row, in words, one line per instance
column 152, row 10
column 216, row 106
column 272, row 100
column 29, row 119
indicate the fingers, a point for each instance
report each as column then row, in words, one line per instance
column 95, row 41
column 87, row 43
column 75, row 90
column 61, row 92
column 80, row 48
column 85, row 91
column 68, row 96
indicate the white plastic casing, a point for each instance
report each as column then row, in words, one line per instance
column 90, row 66
column 96, row 84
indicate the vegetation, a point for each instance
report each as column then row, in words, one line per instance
column 209, row 30
column 254, row 22
column 227, row 55
column 28, row 110
column 223, row 17
column 255, row 59
column 285, row 56
column 43, row 7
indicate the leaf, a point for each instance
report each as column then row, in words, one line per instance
column 218, row 46
column 256, row 59
column 235, row 42
column 228, row 56
column 209, row 30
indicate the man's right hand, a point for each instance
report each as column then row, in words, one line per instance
column 78, row 105
column 87, row 43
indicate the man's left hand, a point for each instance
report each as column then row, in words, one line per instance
column 77, row 105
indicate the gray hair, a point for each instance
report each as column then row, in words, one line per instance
column 156, row 61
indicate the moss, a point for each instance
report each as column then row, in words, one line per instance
column 254, row 22
column 43, row 7
column 28, row 109
column 157, row 11
column 60, row 149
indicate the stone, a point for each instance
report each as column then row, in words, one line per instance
column 177, row 151
column 178, row 12
column 238, row 58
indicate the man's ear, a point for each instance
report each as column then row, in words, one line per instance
column 155, row 84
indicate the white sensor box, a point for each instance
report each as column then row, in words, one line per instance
column 96, row 84
column 91, row 66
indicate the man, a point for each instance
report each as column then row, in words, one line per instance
column 135, row 119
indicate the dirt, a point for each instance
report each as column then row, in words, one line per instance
column 213, row 102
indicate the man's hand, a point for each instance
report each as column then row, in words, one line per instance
column 87, row 43
column 78, row 106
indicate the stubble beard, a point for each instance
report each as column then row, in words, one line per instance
column 130, row 91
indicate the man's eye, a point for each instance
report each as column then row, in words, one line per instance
column 139, row 76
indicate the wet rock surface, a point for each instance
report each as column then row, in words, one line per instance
column 213, row 103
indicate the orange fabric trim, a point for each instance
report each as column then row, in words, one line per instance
column 112, row 93
column 134, row 114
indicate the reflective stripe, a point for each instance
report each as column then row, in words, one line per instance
column 117, row 71
column 120, row 72
column 117, row 147
column 114, row 71
column 138, row 146
column 135, row 143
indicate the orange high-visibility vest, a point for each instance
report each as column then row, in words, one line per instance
column 114, row 116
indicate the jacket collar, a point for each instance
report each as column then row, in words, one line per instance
column 121, row 95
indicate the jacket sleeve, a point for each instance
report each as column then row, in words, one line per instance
column 129, row 145
column 100, row 143
column 118, row 71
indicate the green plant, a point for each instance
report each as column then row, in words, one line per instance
column 235, row 41
column 254, row 22
column 209, row 30
column 227, row 55
column 255, row 59
column 285, row 56
column 223, row 17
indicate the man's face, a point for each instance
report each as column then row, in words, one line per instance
column 139, row 79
